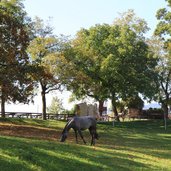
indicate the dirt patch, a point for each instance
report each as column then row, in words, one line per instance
column 29, row 131
column 38, row 132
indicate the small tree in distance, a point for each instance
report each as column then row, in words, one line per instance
column 56, row 106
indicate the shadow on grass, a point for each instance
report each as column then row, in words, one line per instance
column 127, row 146
column 145, row 137
column 24, row 154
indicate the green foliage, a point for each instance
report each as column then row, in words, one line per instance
column 128, row 68
column 56, row 106
column 135, row 102
column 16, row 83
column 129, row 18
column 163, row 27
column 69, row 111
column 112, row 59
column 164, row 66
column 43, row 51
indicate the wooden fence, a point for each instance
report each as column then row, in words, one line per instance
column 37, row 115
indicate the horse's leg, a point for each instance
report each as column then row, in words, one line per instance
column 76, row 137
column 92, row 136
column 80, row 133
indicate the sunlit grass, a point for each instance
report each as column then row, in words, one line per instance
column 129, row 146
column 33, row 122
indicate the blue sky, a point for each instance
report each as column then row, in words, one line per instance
column 68, row 16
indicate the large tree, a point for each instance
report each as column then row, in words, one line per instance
column 115, row 59
column 164, row 53
column 43, row 49
column 15, row 80
column 79, row 70
column 129, row 66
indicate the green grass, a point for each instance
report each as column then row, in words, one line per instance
column 129, row 146
column 34, row 122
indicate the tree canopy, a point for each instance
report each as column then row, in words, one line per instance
column 113, row 61
column 106, row 61
column 43, row 49
column 164, row 65
column 15, row 81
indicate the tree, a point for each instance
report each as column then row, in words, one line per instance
column 164, row 66
column 135, row 102
column 56, row 106
column 73, row 72
column 16, row 83
column 43, row 50
column 129, row 67
column 114, row 59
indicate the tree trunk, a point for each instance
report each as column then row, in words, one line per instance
column 43, row 93
column 2, row 103
column 2, row 107
column 114, row 108
column 101, row 102
column 44, row 104
column 166, row 112
column 165, row 109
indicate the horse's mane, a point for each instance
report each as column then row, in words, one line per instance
column 67, row 125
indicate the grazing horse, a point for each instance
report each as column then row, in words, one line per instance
column 78, row 124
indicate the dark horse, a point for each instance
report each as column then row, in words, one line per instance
column 78, row 124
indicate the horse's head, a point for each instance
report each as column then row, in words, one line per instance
column 63, row 136
column 65, row 131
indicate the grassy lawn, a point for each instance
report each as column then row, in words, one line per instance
column 129, row 146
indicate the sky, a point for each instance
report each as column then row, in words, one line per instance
column 69, row 16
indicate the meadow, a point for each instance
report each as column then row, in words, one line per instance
column 33, row 145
